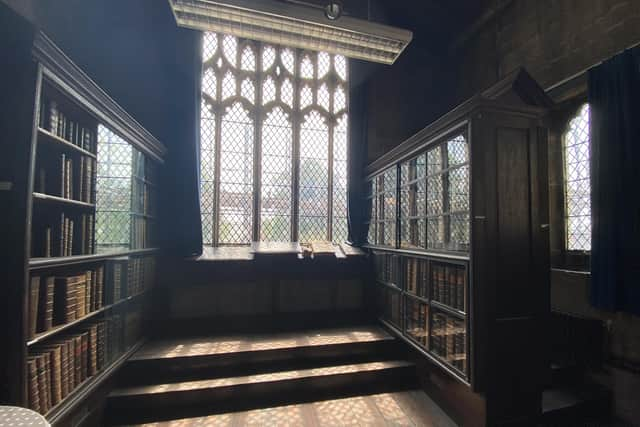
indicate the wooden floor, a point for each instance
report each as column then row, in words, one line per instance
column 409, row 408
column 187, row 347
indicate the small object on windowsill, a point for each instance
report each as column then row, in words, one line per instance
column 322, row 248
column 306, row 250
column 350, row 251
column 275, row 249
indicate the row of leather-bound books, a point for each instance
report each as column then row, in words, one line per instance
column 417, row 318
column 58, row 367
column 449, row 340
column 59, row 122
column 63, row 233
column 56, row 300
column 68, row 176
column 448, row 283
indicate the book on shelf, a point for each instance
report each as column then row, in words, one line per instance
column 44, row 319
column 63, row 299
column 32, row 384
column 116, row 275
column 34, row 301
column 54, row 354
column 71, row 234
column 66, row 298
column 42, row 362
column 61, row 125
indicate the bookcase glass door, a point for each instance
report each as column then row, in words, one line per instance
column 448, row 195
column 125, row 195
column 425, row 297
column 412, row 203
column 114, row 192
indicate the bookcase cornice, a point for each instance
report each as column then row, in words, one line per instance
column 60, row 70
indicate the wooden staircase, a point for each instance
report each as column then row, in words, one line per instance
column 195, row 377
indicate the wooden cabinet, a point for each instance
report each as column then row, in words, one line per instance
column 459, row 240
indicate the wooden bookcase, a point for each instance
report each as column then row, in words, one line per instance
column 79, row 178
column 459, row 241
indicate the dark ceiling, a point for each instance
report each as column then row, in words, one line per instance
column 435, row 23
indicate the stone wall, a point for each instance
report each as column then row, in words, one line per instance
column 552, row 39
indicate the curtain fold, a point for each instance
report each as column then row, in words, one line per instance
column 184, row 230
column 614, row 98
column 357, row 210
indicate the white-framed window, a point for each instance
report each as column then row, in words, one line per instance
column 576, row 145
column 273, row 150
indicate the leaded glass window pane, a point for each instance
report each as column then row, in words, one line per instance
column 113, row 192
column 340, row 229
column 283, row 97
column 275, row 215
column 576, row 144
column 314, row 164
column 236, row 176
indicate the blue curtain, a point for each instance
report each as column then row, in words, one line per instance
column 357, row 206
column 182, row 227
column 614, row 98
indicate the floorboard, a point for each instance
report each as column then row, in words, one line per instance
column 409, row 408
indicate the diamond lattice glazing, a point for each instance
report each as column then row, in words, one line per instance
column 578, row 182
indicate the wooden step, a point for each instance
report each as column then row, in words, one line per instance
column 209, row 357
column 405, row 408
column 218, row 395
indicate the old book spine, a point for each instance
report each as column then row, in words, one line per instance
column 54, row 117
column 93, row 350
column 80, row 299
column 77, row 360
column 100, row 292
column 84, row 358
column 460, row 287
column 32, row 383
column 63, row 175
column 42, row 383
column 56, row 389
column 34, row 300
column 70, row 238
column 81, row 181
column 65, row 359
column 88, row 300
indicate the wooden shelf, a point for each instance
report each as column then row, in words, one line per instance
column 85, row 389
column 58, row 199
column 60, row 328
column 449, row 310
column 434, row 358
column 444, row 255
column 390, row 285
column 40, row 263
column 61, row 142
column 417, row 298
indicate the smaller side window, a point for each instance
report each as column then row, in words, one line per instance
column 576, row 142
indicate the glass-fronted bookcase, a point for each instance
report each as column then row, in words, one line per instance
column 79, row 178
column 458, row 237
column 425, row 296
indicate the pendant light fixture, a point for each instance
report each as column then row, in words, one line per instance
column 325, row 29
